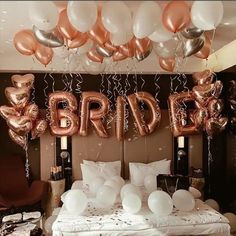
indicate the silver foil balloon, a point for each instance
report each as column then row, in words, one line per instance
column 192, row 33
column 51, row 39
column 142, row 56
column 104, row 52
column 192, row 46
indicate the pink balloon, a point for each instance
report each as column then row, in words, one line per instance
column 43, row 54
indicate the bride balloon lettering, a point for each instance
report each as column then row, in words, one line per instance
column 80, row 124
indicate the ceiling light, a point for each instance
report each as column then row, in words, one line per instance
column 3, row 20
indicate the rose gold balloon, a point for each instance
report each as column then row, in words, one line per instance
column 65, row 27
column 20, row 124
column 20, row 140
column 118, row 56
column 43, row 54
column 103, row 51
column 203, row 77
column 6, row 112
column 176, row 16
column 98, row 33
column 205, row 51
column 58, row 114
column 25, row 42
column 32, row 111
column 199, row 118
column 127, row 49
column 167, row 64
column 95, row 115
column 216, row 125
column 39, row 128
column 205, row 93
column 153, row 107
column 23, row 81
column 79, row 40
column 143, row 48
column 179, row 128
column 93, row 55
column 18, row 97
column 215, row 107
column 111, row 47
column 120, row 117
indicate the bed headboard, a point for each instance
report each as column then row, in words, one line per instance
column 133, row 148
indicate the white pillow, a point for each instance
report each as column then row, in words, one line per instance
column 138, row 171
column 105, row 170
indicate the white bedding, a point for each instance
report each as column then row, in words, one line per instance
column 115, row 221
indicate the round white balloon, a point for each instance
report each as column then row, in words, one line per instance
column 114, row 184
column 160, row 203
column 96, row 184
column 150, row 183
column 195, row 192
column 85, row 48
column 213, row 204
column 183, row 200
column 63, row 196
column 116, row 17
column 106, row 196
column 130, row 188
column 132, row 203
column 160, row 34
column 232, row 221
column 48, row 223
column 207, row 15
column 43, row 14
column 82, row 14
column 121, row 38
column 147, row 19
column 76, row 201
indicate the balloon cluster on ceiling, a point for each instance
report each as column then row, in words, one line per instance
column 113, row 31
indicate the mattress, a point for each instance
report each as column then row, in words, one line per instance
column 115, row 221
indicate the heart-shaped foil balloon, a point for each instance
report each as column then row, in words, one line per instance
column 32, row 111
column 6, row 112
column 39, row 128
column 215, row 125
column 18, row 139
column 20, row 124
column 23, row 81
column 18, row 97
column 203, row 77
column 215, row 107
column 199, row 117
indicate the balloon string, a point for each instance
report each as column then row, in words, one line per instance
column 53, row 82
column 27, row 165
column 33, row 94
column 46, row 98
column 209, row 161
column 157, row 87
column 102, row 86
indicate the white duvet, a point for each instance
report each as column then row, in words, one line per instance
column 115, row 221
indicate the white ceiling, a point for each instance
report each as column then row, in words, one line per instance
column 14, row 17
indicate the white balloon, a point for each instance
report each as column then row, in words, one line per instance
column 195, row 192
column 82, row 14
column 150, row 183
column 63, row 196
column 207, row 15
column 213, row 204
column 183, row 200
column 160, row 203
column 119, row 179
column 130, row 188
column 85, row 48
column 96, row 184
column 147, row 19
column 114, row 184
column 106, row 196
column 132, row 203
column 76, row 201
column 116, row 17
column 161, row 34
column 44, row 15
column 232, row 221
column 48, row 223
column 91, row 67
column 121, row 38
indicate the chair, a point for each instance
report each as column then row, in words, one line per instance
column 15, row 191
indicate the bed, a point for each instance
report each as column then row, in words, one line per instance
column 203, row 220
column 114, row 221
